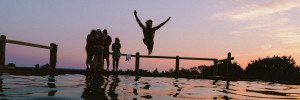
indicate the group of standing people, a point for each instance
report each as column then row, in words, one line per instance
column 98, row 42
column 97, row 49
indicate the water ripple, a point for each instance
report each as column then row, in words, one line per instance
column 130, row 87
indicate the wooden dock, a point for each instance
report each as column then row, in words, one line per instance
column 53, row 57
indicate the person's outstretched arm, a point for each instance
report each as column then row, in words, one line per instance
column 162, row 24
column 138, row 20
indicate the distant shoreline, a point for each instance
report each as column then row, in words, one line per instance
column 29, row 71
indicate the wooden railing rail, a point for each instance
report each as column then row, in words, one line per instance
column 52, row 47
column 177, row 58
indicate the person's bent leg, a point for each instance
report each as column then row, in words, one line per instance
column 101, row 60
column 107, row 62
column 101, row 67
column 104, row 64
column 95, row 62
column 114, row 63
column 117, row 63
column 150, row 48
column 145, row 42
column 90, row 59
column 87, row 63
column 149, row 45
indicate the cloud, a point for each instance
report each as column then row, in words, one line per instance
column 261, row 26
column 254, row 10
column 266, row 46
column 268, row 22
column 288, row 36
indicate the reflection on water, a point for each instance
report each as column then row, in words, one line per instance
column 51, row 84
column 135, row 87
column 94, row 87
column 113, row 87
column 1, row 82
column 225, row 90
column 176, row 84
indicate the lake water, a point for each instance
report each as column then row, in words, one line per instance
column 129, row 87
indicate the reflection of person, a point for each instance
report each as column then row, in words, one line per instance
column 89, row 48
column 116, row 53
column 98, row 50
column 94, row 89
column 1, row 82
column 107, row 43
column 112, row 88
column 149, row 31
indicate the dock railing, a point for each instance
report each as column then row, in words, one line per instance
column 53, row 55
column 52, row 47
column 178, row 58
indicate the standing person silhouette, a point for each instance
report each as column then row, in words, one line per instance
column 89, row 48
column 149, row 31
column 107, row 43
column 98, row 50
column 116, row 53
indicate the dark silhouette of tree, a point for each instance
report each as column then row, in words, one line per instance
column 275, row 68
column 155, row 72
column 283, row 69
column 227, row 69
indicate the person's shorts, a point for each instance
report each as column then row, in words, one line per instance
column 105, row 55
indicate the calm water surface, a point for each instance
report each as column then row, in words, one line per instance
column 130, row 87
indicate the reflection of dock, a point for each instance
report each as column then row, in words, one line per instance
column 42, row 72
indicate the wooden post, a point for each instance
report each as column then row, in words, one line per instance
column 177, row 66
column 229, row 56
column 2, row 50
column 53, row 55
column 137, row 62
column 228, row 62
column 216, row 68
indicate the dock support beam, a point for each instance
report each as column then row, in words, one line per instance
column 177, row 66
column 2, row 51
column 53, row 55
column 137, row 63
column 216, row 68
column 228, row 61
column 229, row 56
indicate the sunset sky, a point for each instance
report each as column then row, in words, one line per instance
column 249, row 29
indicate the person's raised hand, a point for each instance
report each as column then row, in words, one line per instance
column 135, row 12
column 168, row 19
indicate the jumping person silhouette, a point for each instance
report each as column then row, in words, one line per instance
column 149, row 31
